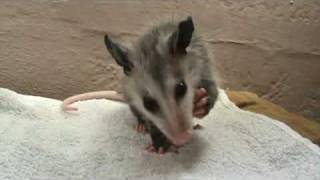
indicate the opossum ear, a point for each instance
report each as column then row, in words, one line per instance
column 181, row 38
column 119, row 53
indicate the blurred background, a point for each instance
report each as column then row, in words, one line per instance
column 270, row 47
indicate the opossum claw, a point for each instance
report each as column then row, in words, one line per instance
column 173, row 148
column 140, row 128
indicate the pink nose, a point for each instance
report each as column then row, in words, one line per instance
column 182, row 138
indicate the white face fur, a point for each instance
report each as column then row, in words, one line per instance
column 172, row 111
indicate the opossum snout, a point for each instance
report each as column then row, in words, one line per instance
column 182, row 137
column 181, row 128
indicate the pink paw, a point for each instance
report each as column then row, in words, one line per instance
column 201, row 103
column 140, row 128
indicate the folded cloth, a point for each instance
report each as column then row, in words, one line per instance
column 39, row 141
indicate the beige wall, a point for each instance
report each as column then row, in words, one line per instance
column 271, row 47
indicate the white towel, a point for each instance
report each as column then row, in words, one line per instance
column 39, row 141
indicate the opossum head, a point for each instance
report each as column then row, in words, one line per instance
column 158, row 81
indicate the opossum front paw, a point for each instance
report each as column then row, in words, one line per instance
column 160, row 143
column 202, row 103
column 152, row 149
column 140, row 128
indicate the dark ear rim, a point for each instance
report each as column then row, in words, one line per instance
column 186, row 29
column 118, row 54
column 107, row 41
column 112, row 47
column 181, row 38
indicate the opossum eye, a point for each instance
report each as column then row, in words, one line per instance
column 180, row 90
column 150, row 104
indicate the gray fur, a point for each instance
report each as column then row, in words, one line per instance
column 155, row 71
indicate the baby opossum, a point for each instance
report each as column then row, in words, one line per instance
column 162, row 72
